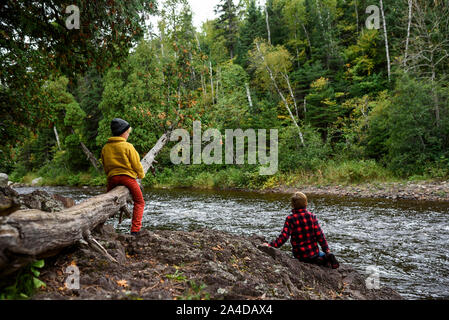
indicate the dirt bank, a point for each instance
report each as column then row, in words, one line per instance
column 204, row 264
column 407, row 190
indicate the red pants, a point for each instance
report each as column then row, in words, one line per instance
column 136, row 193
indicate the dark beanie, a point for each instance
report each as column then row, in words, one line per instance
column 118, row 126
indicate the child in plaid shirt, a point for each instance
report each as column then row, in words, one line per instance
column 305, row 232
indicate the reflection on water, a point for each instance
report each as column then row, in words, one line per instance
column 405, row 240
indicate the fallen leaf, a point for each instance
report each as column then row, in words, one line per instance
column 122, row 283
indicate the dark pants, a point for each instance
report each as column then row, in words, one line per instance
column 320, row 259
column 134, row 188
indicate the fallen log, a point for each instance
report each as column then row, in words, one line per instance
column 26, row 235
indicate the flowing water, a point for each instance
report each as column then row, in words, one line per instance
column 404, row 242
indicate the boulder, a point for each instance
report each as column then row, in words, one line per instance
column 42, row 200
column 9, row 200
column 3, row 179
column 36, row 181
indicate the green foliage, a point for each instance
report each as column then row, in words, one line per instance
column 350, row 172
column 195, row 292
column 295, row 157
column 25, row 283
column 252, row 27
column 418, row 132
column 325, row 66
column 232, row 108
column 36, row 43
column 227, row 24
column 177, row 276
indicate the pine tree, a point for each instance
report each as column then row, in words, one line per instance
column 227, row 24
column 253, row 27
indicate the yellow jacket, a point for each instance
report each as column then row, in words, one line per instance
column 119, row 157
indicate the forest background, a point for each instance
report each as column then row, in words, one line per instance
column 353, row 102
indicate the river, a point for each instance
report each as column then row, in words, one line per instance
column 404, row 242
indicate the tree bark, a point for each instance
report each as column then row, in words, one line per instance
column 211, row 80
column 91, row 157
column 407, row 41
column 268, row 25
column 387, row 49
column 57, row 137
column 248, row 94
column 26, row 235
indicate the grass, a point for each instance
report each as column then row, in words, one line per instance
column 331, row 172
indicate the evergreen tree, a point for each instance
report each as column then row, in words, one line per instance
column 252, row 27
column 227, row 24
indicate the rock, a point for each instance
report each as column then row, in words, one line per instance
column 9, row 200
column 3, row 180
column 36, row 181
column 166, row 264
column 42, row 200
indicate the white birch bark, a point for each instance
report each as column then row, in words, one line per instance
column 387, row 49
column 268, row 25
column 211, row 81
column 407, row 41
column 248, row 94
column 57, row 137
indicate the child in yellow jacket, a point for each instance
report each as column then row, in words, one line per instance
column 121, row 163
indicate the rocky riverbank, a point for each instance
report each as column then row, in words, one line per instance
column 422, row 191
column 204, row 264
column 407, row 190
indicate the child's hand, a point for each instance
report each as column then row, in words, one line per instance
column 265, row 244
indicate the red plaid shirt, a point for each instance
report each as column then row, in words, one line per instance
column 305, row 232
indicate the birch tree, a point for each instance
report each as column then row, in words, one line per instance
column 407, row 41
column 429, row 46
column 270, row 61
column 387, row 49
column 268, row 25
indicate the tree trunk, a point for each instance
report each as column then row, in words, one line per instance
column 211, row 80
column 273, row 80
column 91, row 157
column 305, row 108
column 26, row 235
column 387, row 49
column 57, row 137
column 407, row 41
column 248, row 94
column 291, row 91
column 268, row 25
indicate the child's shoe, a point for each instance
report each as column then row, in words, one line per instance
column 333, row 261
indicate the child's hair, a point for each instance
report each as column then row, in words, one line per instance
column 299, row 200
